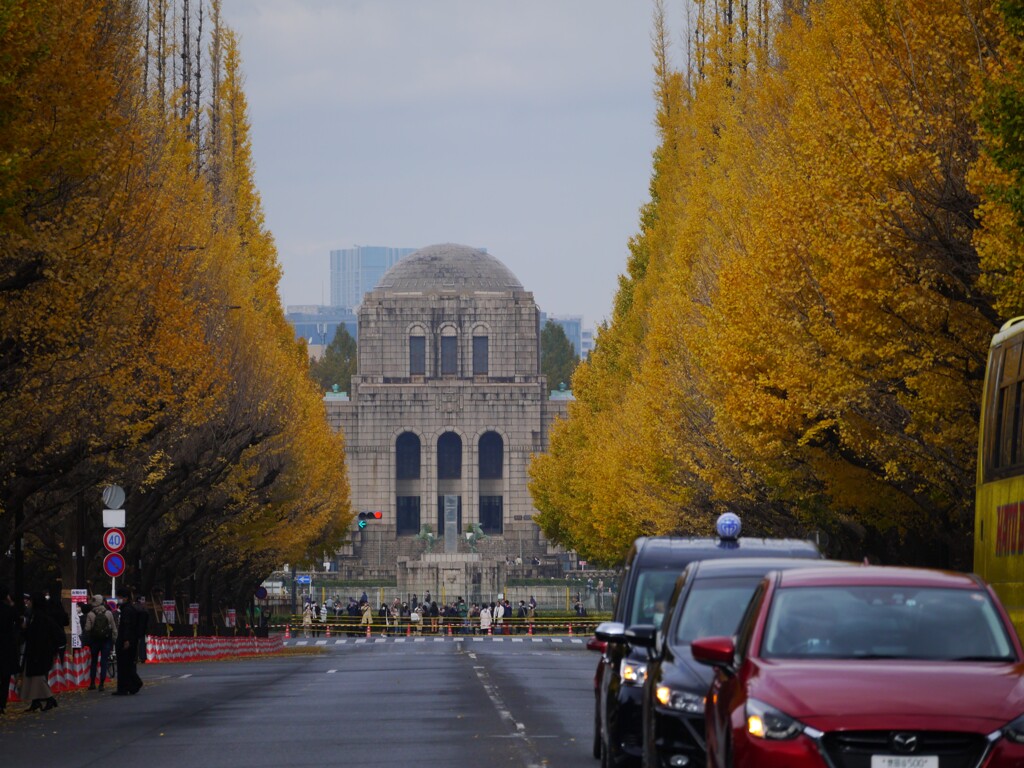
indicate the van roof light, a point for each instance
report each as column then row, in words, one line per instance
column 728, row 526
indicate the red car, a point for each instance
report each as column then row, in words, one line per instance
column 870, row 667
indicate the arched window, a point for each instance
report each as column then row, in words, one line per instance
column 417, row 353
column 449, row 456
column 407, row 456
column 492, row 454
column 479, row 355
column 449, row 352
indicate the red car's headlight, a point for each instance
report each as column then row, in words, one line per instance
column 766, row 722
column 1014, row 731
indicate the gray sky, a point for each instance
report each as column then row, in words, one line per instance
column 523, row 127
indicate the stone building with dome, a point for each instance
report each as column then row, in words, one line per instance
column 446, row 409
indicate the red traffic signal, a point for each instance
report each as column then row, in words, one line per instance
column 364, row 517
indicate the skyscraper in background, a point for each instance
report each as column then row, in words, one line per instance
column 356, row 271
column 573, row 327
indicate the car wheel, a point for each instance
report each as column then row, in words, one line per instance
column 605, row 758
column 597, row 733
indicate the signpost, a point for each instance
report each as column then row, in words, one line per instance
column 77, row 596
column 114, row 538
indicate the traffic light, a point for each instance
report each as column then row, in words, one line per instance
column 364, row 517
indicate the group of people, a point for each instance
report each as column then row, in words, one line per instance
column 418, row 616
column 33, row 636
column 103, row 631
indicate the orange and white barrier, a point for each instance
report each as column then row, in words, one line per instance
column 178, row 649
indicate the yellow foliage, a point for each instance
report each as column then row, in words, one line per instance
column 805, row 340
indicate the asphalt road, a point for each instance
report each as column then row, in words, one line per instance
column 430, row 703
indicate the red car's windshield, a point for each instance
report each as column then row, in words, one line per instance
column 874, row 622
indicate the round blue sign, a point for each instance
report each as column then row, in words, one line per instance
column 113, row 565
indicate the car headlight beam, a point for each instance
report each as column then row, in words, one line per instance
column 683, row 701
column 766, row 722
column 632, row 672
column 1014, row 730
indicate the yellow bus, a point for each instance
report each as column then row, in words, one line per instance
column 999, row 502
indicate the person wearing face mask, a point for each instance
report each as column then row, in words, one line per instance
column 129, row 632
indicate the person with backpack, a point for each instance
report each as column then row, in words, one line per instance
column 100, row 633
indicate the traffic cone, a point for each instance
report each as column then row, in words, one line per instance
column 328, row 630
column 408, row 630
column 531, row 630
column 287, row 632
column 570, row 629
column 488, row 630
column 367, row 630
column 449, row 630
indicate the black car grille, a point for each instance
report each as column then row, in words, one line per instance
column 853, row 749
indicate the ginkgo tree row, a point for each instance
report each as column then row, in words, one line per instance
column 801, row 330
column 142, row 340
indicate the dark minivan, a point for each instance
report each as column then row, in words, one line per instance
column 647, row 580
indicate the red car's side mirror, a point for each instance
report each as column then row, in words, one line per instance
column 714, row 651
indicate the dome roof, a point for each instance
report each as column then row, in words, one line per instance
column 449, row 267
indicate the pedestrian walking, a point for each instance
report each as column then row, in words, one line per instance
column 100, row 633
column 129, row 630
column 10, row 639
column 43, row 638
column 307, row 618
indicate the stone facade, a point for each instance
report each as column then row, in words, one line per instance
column 448, row 401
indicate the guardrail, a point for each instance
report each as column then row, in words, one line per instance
column 353, row 626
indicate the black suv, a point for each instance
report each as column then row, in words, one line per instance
column 709, row 599
column 646, row 582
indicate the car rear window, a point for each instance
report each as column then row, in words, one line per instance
column 714, row 607
column 885, row 622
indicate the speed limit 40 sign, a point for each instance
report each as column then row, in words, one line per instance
column 114, row 539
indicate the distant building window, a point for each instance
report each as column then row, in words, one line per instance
column 407, row 456
column 491, row 514
column 479, row 355
column 407, row 515
column 492, row 454
column 449, row 355
column 417, row 356
column 449, row 456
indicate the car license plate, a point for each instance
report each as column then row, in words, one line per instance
column 916, row 761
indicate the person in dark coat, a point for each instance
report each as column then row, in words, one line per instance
column 140, row 604
column 43, row 637
column 129, row 630
column 10, row 637
column 55, row 608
